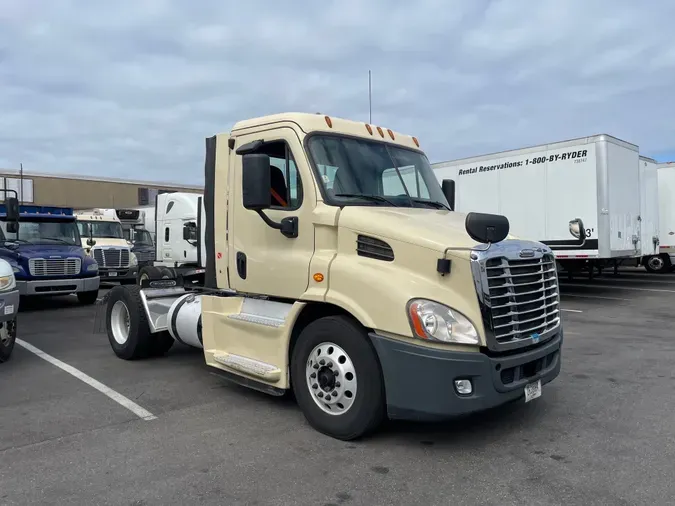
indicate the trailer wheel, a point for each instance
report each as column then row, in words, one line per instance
column 127, row 325
column 87, row 298
column 658, row 264
column 7, row 339
column 336, row 378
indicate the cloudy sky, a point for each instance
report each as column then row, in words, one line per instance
column 131, row 88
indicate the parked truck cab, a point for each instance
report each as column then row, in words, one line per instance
column 103, row 239
column 46, row 254
column 367, row 300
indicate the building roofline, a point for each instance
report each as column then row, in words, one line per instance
column 159, row 184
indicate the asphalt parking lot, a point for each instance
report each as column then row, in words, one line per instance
column 602, row 433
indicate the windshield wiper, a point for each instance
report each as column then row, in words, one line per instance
column 437, row 205
column 22, row 241
column 58, row 240
column 376, row 198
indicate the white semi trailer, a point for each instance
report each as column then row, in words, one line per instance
column 666, row 184
column 544, row 189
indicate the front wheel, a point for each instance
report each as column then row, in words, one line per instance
column 87, row 298
column 336, row 378
column 7, row 339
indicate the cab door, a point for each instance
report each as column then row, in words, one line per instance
column 261, row 259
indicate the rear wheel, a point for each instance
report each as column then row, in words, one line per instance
column 7, row 339
column 128, row 329
column 658, row 264
column 336, row 378
column 149, row 272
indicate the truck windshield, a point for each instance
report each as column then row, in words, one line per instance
column 44, row 232
column 141, row 238
column 374, row 173
column 110, row 229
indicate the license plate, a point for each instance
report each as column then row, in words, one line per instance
column 532, row 391
column 112, row 274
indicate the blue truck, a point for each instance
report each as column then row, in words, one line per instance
column 43, row 246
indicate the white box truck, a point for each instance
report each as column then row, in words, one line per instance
column 666, row 184
column 650, row 238
column 543, row 191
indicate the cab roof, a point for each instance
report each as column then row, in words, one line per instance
column 309, row 123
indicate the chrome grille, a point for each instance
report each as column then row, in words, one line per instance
column 519, row 296
column 54, row 266
column 111, row 257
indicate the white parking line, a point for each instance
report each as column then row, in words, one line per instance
column 572, row 310
column 591, row 296
column 142, row 413
column 605, row 287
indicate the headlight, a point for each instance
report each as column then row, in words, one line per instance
column 92, row 267
column 133, row 259
column 7, row 282
column 434, row 321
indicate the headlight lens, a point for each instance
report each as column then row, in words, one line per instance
column 92, row 267
column 434, row 321
column 134, row 260
column 7, row 282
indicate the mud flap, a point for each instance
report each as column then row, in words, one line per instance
column 101, row 307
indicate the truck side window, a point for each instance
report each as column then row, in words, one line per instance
column 285, row 184
column 166, row 234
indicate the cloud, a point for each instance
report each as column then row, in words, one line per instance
column 132, row 88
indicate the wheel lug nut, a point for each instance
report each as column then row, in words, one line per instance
column 322, row 362
column 330, row 365
column 315, row 386
column 336, row 373
column 334, row 393
column 313, row 375
column 315, row 366
column 320, row 394
column 337, row 384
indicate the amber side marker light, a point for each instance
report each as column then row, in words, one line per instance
column 318, row 277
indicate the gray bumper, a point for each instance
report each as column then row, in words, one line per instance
column 122, row 273
column 58, row 286
column 419, row 381
column 9, row 305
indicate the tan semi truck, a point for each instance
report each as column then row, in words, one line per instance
column 331, row 275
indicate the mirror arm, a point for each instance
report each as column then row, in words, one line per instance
column 288, row 226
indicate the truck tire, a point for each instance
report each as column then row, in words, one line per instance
column 127, row 326
column 167, row 273
column 658, row 264
column 7, row 339
column 333, row 359
column 148, row 272
column 87, row 298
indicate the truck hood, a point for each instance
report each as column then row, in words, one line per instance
column 434, row 229
column 49, row 250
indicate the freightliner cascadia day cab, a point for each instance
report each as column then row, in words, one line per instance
column 666, row 184
column 542, row 189
column 180, row 249
column 133, row 227
column 363, row 302
column 103, row 239
column 42, row 244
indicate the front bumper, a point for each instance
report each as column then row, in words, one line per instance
column 58, row 286
column 123, row 273
column 419, row 381
column 9, row 305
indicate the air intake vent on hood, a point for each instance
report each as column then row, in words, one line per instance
column 374, row 248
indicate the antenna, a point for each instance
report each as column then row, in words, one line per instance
column 370, row 98
column 21, row 183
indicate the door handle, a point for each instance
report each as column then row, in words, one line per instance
column 241, row 264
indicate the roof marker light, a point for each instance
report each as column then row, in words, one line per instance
column 379, row 131
column 391, row 134
column 328, row 122
column 369, row 128
column 417, row 143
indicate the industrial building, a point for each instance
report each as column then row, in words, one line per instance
column 85, row 192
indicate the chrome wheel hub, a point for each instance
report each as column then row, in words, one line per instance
column 331, row 378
